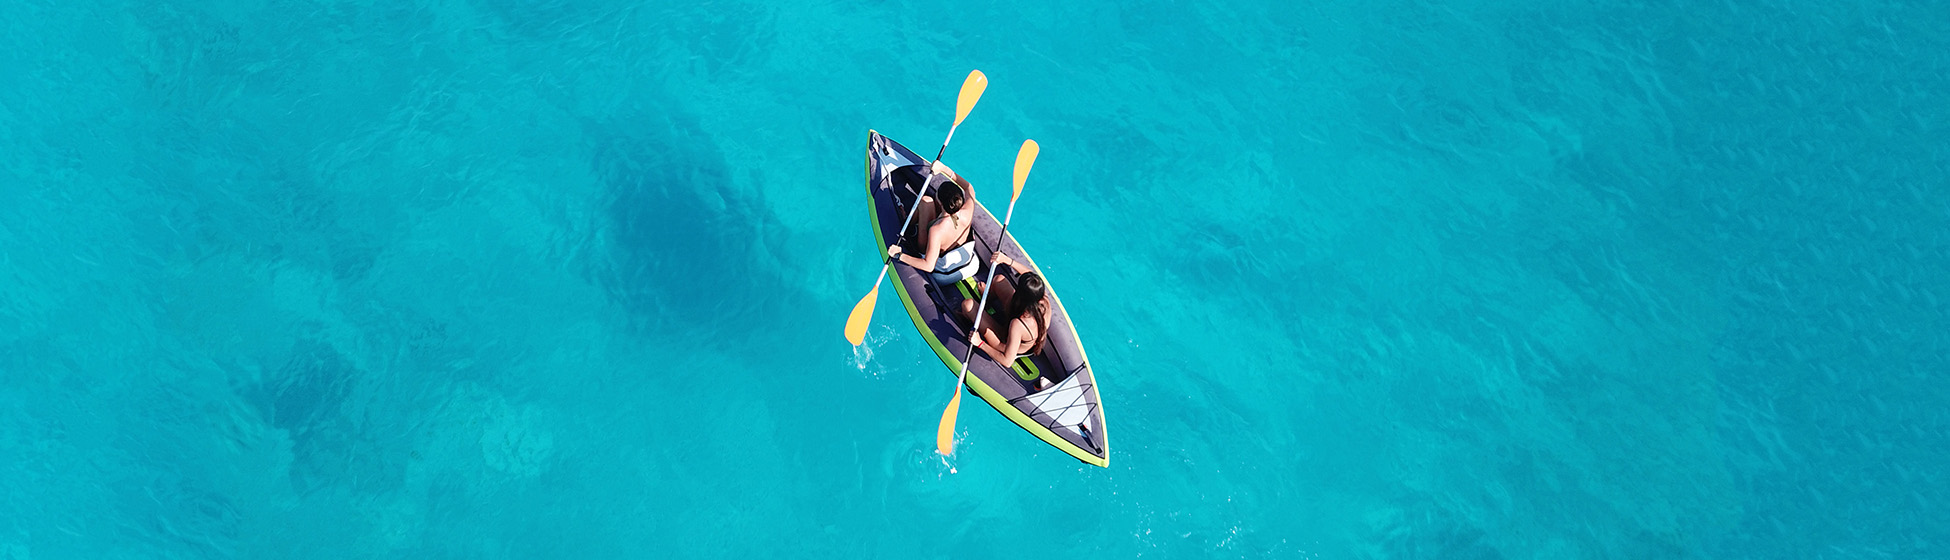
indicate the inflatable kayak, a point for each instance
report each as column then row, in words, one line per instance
column 1052, row 394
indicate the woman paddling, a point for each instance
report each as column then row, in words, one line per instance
column 946, row 252
column 1027, row 312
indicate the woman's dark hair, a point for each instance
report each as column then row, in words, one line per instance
column 951, row 196
column 1029, row 292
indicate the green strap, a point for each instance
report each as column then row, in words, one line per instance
column 1026, row 369
column 967, row 287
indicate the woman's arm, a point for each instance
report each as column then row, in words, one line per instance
column 1002, row 258
column 926, row 261
column 1016, row 348
column 1010, row 345
column 926, row 265
column 1012, row 348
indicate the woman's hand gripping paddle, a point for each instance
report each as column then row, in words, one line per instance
column 944, row 436
column 971, row 91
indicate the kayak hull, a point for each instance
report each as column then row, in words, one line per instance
column 1066, row 413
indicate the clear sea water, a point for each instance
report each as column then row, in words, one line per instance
column 1361, row 279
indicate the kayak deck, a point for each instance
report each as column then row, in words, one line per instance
column 1067, row 414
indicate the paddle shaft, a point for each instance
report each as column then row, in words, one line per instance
column 944, row 145
column 923, row 191
column 976, row 330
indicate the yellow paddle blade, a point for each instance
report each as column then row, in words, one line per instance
column 856, row 324
column 1025, row 159
column 971, row 91
column 944, row 436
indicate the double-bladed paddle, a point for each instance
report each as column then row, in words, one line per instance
column 944, row 435
column 971, row 91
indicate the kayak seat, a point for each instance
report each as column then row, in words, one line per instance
column 956, row 265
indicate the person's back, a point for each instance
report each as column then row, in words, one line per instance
column 1025, row 309
column 946, row 220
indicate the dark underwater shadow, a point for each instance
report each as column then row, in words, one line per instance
column 1427, row 530
column 689, row 247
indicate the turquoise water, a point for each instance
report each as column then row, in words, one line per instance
column 500, row 279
